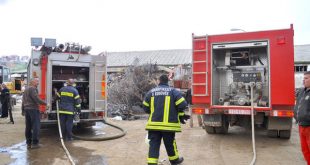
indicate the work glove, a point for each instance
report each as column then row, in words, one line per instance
column 184, row 118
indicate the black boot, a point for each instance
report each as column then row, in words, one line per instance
column 177, row 161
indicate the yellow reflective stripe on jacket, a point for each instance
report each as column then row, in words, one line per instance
column 176, row 156
column 181, row 114
column 152, row 109
column 179, row 101
column 164, row 124
column 69, row 94
column 79, row 105
column 65, row 112
column 146, row 104
column 152, row 160
column 163, row 128
column 76, row 97
column 166, row 109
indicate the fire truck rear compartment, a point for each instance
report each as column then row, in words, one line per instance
column 234, row 70
column 60, row 74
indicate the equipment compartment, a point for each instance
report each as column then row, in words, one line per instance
column 61, row 74
column 235, row 67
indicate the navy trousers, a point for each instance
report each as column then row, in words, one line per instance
column 170, row 144
column 32, row 118
column 5, row 110
column 66, row 123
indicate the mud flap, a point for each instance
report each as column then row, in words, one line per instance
column 279, row 127
column 279, row 123
column 214, row 120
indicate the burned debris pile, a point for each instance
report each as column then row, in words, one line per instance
column 126, row 91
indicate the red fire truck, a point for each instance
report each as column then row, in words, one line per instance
column 233, row 74
column 56, row 64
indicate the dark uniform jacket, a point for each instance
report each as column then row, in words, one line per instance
column 5, row 96
column 69, row 100
column 302, row 107
column 165, row 105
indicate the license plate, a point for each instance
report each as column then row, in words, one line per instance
column 239, row 112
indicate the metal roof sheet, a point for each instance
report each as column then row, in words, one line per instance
column 178, row 56
column 302, row 53
column 160, row 57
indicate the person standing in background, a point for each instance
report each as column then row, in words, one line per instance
column 0, row 103
column 302, row 116
column 30, row 109
column 5, row 98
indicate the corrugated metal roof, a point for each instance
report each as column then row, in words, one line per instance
column 302, row 53
column 178, row 56
column 160, row 57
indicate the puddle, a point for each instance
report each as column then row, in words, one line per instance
column 17, row 152
column 51, row 151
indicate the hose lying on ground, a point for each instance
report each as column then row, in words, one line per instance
column 61, row 138
column 123, row 133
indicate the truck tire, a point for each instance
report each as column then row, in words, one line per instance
column 285, row 134
column 272, row 133
column 225, row 125
column 223, row 129
column 210, row 129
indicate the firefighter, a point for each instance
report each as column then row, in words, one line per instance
column 166, row 108
column 70, row 103
column 302, row 116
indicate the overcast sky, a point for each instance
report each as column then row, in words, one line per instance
column 133, row 25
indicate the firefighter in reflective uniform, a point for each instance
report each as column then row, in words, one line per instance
column 166, row 108
column 70, row 103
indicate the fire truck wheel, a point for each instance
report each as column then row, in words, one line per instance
column 210, row 129
column 272, row 133
column 225, row 125
column 285, row 134
column 223, row 129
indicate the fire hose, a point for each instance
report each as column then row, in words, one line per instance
column 123, row 133
column 61, row 138
column 252, row 121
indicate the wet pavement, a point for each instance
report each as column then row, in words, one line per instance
column 51, row 151
column 194, row 145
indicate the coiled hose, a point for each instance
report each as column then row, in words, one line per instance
column 123, row 133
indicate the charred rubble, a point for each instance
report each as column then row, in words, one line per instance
column 127, row 90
